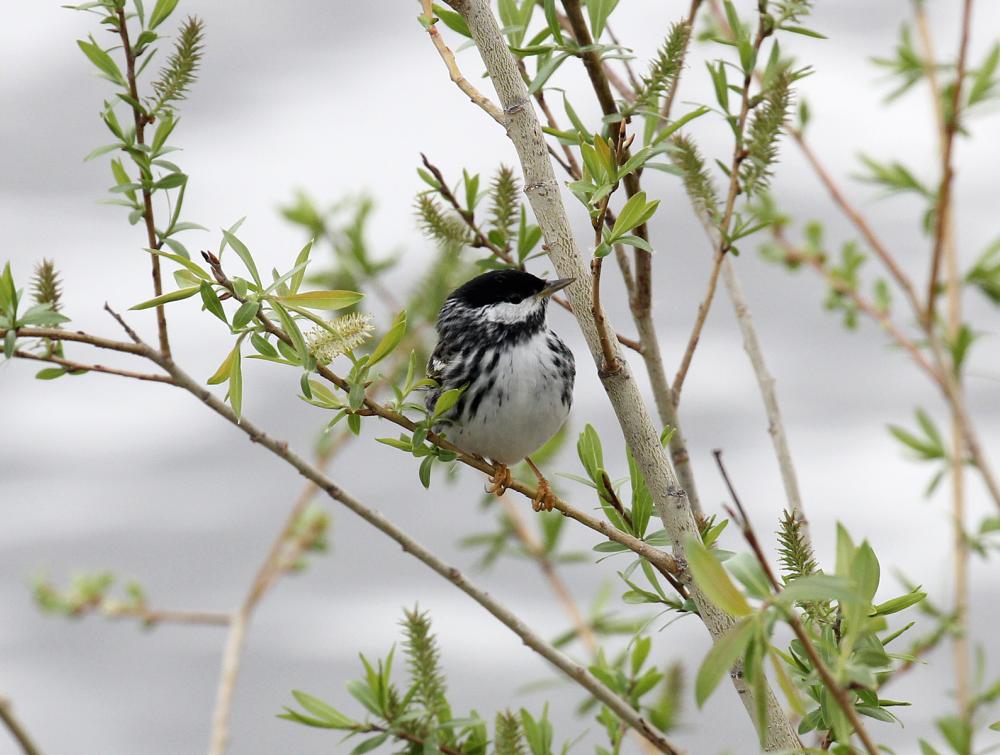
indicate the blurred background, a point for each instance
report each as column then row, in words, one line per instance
column 338, row 99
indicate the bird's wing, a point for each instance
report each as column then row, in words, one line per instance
column 437, row 370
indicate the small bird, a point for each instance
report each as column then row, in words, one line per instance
column 518, row 375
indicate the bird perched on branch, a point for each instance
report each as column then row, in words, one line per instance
column 493, row 340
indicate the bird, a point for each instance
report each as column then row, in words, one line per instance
column 517, row 374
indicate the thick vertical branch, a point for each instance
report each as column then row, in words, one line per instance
column 147, row 198
column 641, row 436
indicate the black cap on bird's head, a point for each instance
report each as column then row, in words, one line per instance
column 505, row 286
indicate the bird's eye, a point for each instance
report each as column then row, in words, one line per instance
column 514, row 298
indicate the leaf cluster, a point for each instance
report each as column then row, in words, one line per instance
column 419, row 718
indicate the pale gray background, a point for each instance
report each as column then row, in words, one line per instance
column 99, row 472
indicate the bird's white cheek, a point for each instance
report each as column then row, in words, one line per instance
column 506, row 312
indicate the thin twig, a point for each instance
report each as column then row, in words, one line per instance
column 141, row 120
column 611, row 362
column 951, row 125
column 430, row 24
column 839, row 693
column 699, row 323
column 151, row 617
column 16, row 728
column 80, row 367
column 584, row 678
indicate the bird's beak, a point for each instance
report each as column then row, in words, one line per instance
column 552, row 286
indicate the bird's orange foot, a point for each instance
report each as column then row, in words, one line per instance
column 544, row 497
column 500, row 480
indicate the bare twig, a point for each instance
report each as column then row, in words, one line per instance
column 80, row 367
column 611, row 362
column 141, row 120
column 430, row 24
column 151, row 617
column 699, row 323
column 16, row 729
column 951, row 125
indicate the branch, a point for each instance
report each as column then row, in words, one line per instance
column 430, row 24
column 141, row 120
column 281, row 556
column 584, row 678
column 641, row 437
column 943, row 215
column 151, row 617
column 80, row 367
column 723, row 245
column 699, row 323
column 16, row 728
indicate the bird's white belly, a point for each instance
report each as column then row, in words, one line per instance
column 522, row 410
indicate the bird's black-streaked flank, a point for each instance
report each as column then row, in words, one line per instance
column 493, row 338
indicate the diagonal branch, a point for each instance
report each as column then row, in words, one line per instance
column 80, row 367
column 16, row 729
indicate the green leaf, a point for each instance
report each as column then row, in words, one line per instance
column 326, row 713
column 599, row 11
column 195, row 268
column 635, row 212
column 865, row 570
column 329, row 300
column 104, row 62
column 243, row 253
column 713, row 579
column 370, row 744
column 720, row 659
column 171, row 181
column 303, row 257
column 447, row 400
column 390, row 340
column 819, row 587
column 211, row 301
column 900, row 604
column 9, row 339
column 50, row 373
column 236, row 382
column 291, row 329
column 245, row 314
column 161, row 11
column 452, row 20
column 748, row 571
column 221, row 375
column 181, row 293
column 425, row 471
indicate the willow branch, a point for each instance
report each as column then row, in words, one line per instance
column 699, row 323
column 542, row 189
column 16, row 728
column 141, row 120
column 578, row 673
column 880, row 316
column 454, row 73
column 951, row 125
column 960, row 643
column 151, row 617
column 72, row 366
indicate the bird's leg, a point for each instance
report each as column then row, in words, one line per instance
column 544, row 497
column 500, row 479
